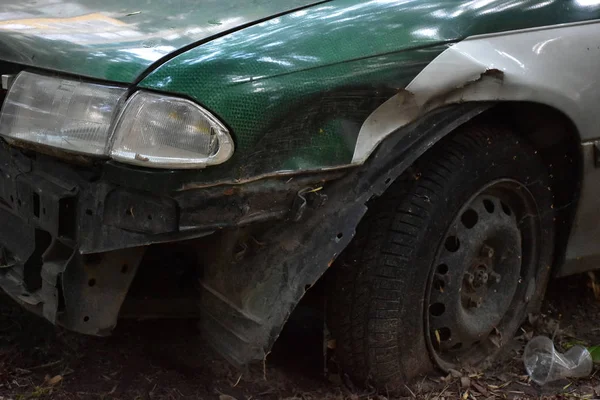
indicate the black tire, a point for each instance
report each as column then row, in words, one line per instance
column 379, row 307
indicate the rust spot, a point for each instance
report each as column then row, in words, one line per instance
column 140, row 157
column 405, row 92
column 228, row 191
column 330, row 263
column 494, row 73
column 405, row 97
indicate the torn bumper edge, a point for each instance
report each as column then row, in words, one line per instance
column 71, row 240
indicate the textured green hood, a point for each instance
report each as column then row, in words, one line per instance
column 117, row 40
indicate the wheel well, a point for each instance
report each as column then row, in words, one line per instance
column 556, row 138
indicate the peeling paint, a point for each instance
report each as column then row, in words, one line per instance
column 502, row 67
column 488, row 79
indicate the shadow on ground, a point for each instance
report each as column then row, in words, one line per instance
column 167, row 360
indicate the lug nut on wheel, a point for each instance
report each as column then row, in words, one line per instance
column 487, row 251
column 482, row 278
column 494, row 277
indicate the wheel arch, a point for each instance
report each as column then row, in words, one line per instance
column 550, row 131
column 530, row 65
column 528, row 80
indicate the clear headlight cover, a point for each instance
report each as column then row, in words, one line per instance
column 161, row 131
column 150, row 129
column 61, row 113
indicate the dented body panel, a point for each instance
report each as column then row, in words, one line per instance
column 533, row 65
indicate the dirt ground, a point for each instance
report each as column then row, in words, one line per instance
column 167, row 360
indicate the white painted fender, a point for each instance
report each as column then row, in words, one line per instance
column 557, row 65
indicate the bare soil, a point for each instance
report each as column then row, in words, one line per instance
column 167, row 360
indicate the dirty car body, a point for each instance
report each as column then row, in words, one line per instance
column 304, row 111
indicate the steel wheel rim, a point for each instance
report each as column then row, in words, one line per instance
column 482, row 273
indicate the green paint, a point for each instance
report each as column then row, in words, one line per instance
column 117, row 40
column 262, row 77
column 306, row 120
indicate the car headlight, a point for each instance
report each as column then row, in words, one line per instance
column 60, row 113
column 171, row 132
column 149, row 129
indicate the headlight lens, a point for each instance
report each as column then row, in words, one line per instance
column 60, row 113
column 152, row 130
column 163, row 131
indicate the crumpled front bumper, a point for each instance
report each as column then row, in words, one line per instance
column 71, row 238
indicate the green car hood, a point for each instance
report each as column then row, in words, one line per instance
column 118, row 40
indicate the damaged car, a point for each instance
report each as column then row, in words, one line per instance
column 435, row 160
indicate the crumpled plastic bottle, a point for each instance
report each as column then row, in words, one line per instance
column 544, row 364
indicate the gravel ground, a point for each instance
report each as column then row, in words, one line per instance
column 167, row 360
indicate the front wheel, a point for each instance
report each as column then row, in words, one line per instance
column 448, row 262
